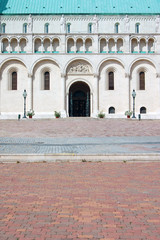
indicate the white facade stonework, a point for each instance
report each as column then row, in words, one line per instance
column 80, row 60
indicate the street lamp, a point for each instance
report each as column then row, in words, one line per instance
column 133, row 95
column 24, row 95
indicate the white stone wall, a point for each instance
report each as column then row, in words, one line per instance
column 30, row 66
column 79, row 24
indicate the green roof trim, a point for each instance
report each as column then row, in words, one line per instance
column 103, row 7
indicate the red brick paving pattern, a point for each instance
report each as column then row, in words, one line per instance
column 79, row 127
column 58, row 201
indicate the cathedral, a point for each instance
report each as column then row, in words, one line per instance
column 80, row 58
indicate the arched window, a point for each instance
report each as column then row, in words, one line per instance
column 25, row 28
column 117, row 28
column 141, row 81
column 143, row 110
column 137, row 28
column 14, row 80
column 46, row 28
column 110, row 81
column 111, row 110
column 90, row 28
column 3, row 28
column 68, row 27
column 46, row 81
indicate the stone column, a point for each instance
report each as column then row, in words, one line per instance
column 115, row 46
column 51, row 46
column 18, row 47
column 63, row 82
column 138, row 46
column 30, row 92
column 107, row 48
column 74, row 48
column 9, row 48
column 147, row 49
column 67, row 103
column 96, row 95
column 84, row 49
column 42, row 47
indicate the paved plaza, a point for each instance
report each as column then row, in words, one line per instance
column 81, row 200
column 58, row 201
column 80, row 136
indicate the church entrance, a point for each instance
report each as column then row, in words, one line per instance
column 79, row 100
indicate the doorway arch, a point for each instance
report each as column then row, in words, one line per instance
column 79, row 100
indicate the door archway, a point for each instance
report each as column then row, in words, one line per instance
column 79, row 100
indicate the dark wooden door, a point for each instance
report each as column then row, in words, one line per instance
column 79, row 108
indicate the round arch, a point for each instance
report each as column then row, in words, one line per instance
column 79, row 80
column 79, row 99
column 142, row 59
column 12, row 59
column 77, row 59
column 44, row 59
column 109, row 59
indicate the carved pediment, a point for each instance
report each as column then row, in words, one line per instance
column 79, row 68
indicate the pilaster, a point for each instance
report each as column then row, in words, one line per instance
column 63, row 84
column 30, row 92
column 96, row 95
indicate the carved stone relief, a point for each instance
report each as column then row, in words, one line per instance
column 79, row 67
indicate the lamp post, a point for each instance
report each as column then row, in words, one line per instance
column 24, row 95
column 133, row 95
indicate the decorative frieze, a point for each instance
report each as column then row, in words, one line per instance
column 79, row 67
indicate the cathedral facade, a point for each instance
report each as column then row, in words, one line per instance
column 79, row 62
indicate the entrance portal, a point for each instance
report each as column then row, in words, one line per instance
column 79, row 100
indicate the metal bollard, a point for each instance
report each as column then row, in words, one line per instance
column 139, row 117
column 19, row 117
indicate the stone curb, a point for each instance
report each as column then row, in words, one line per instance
column 28, row 158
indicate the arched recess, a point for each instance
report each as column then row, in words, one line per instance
column 79, row 66
column 113, row 86
column 11, row 91
column 88, row 45
column 79, row 99
column 79, row 70
column 70, row 45
column 103, row 45
column 143, row 46
column 151, row 45
column 47, row 45
column 148, row 93
column 44, row 59
column 50, row 100
column 134, row 45
column 79, row 45
column 5, row 45
column 23, row 45
column 139, row 61
column 14, row 45
column 107, row 62
column 37, row 45
column 111, row 45
column 143, row 76
column 56, row 45
column 120, row 45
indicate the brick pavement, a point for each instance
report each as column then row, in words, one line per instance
column 79, row 127
column 57, row 201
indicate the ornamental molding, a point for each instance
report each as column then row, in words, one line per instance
column 79, row 67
